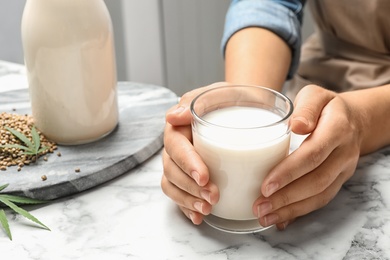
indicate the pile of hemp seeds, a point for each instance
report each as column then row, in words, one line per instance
column 14, row 156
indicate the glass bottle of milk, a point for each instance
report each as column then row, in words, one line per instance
column 70, row 59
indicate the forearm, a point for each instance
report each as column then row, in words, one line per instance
column 257, row 56
column 373, row 106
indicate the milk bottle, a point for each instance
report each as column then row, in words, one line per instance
column 70, row 60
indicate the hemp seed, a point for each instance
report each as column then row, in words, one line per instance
column 12, row 156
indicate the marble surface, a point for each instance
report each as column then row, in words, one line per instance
column 138, row 136
column 130, row 218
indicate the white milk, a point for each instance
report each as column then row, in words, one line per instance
column 239, row 159
column 70, row 59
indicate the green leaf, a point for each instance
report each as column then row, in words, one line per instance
column 23, row 212
column 44, row 148
column 21, row 200
column 10, row 200
column 36, row 139
column 29, row 152
column 4, row 223
column 22, row 137
column 18, row 146
column 2, row 187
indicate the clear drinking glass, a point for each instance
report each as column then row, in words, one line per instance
column 241, row 133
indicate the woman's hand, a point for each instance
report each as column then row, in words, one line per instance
column 311, row 176
column 186, row 177
column 305, row 181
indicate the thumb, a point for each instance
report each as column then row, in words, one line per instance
column 309, row 104
column 180, row 114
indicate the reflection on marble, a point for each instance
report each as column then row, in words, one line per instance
column 12, row 76
column 130, row 218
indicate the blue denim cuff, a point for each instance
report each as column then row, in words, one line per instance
column 283, row 20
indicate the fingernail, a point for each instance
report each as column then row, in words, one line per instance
column 284, row 225
column 192, row 217
column 264, row 209
column 178, row 110
column 271, row 188
column 195, row 176
column 199, row 206
column 205, row 195
column 271, row 219
column 302, row 120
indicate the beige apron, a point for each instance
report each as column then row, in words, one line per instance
column 350, row 48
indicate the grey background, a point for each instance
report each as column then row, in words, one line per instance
column 173, row 43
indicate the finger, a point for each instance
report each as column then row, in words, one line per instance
column 283, row 225
column 303, row 207
column 195, row 217
column 177, row 144
column 310, row 184
column 333, row 130
column 182, row 181
column 307, row 108
column 184, row 199
column 180, row 114
column 312, row 153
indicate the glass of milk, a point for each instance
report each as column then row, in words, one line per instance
column 241, row 133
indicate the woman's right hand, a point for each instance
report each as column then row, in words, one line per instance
column 186, row 177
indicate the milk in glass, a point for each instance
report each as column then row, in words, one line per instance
column 240, row 145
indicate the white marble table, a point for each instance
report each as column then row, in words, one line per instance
column 130, row 218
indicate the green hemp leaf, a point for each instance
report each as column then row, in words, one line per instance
column 11, row 201
column 30, row 147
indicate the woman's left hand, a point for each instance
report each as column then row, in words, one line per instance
column 310, row 177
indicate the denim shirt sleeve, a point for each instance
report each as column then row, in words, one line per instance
column 283, row 17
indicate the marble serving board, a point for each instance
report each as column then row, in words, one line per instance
column 138, row 136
